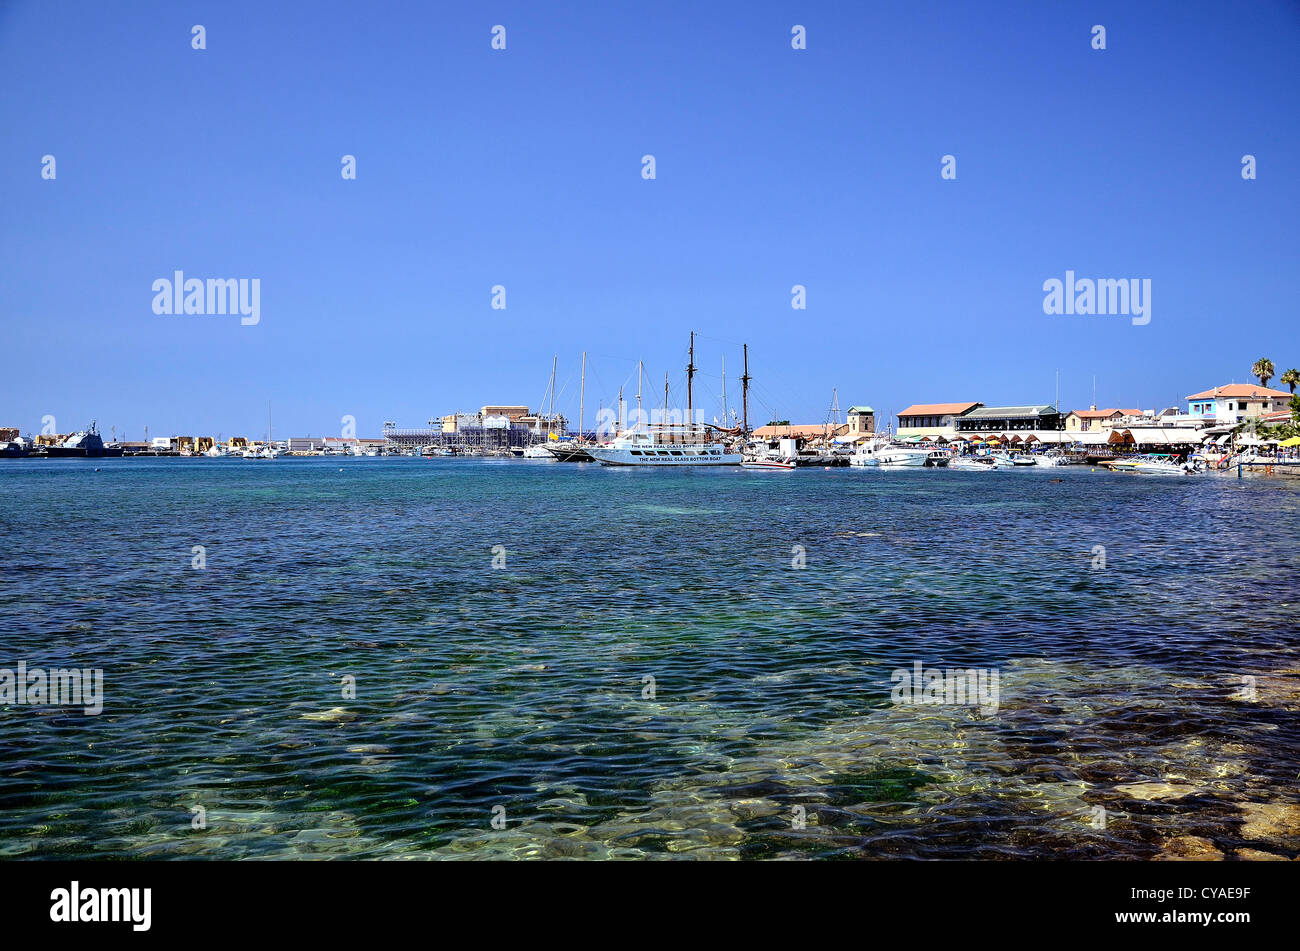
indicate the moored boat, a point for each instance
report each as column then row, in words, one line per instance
column 666, row 444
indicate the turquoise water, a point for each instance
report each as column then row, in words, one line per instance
column 769, row 732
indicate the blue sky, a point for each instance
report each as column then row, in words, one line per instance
column 522, row 167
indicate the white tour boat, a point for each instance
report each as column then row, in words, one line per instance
column 666, row 444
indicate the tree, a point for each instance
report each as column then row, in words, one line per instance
column 1295, row 407
column 1291, row 378
column 1263, row 369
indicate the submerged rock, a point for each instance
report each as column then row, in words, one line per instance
column 333, row 715
column 1272, row 822
column 1189, row 848
column 1148, row 792
column 1255, row 855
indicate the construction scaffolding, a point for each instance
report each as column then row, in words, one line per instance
column 469, row 438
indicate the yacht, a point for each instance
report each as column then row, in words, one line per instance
column 666, row 444
column 569, row 450
column 538, row 451
column 884, row 453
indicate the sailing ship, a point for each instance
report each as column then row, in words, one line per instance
column 671, row 444
column 573, row 450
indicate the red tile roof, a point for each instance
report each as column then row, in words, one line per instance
column 938, row 409
column 1240, row 391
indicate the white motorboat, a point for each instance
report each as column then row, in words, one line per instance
column 881, row 453
column 776, row 465
column 973, row 463
column 538, row 451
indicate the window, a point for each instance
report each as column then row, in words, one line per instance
column 636, row 452
column 675, row 452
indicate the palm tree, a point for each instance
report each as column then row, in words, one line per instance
column 1291, row 378
column 1263, row 369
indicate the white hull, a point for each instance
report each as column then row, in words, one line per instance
column 772, row 464
column 1153, row 468
column 683, row 456
column 898, row 458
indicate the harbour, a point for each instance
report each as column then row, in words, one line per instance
column 627, row 697
column 584, row 435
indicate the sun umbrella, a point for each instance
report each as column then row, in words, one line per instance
column 1293, row 441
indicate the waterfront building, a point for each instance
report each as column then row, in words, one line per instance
column 1175, row 439
column 1237, row 401
column 513, row 413
column 806, row 432
column 936, row 420
column 1092, row 419
column 1010, row 419
column 861, row 423
column 8, row 433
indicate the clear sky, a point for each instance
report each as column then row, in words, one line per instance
column 775, row 167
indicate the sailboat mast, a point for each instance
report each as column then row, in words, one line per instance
column 639, row 367
column 550, row 423
column 744, row 390
column 582, row 392
column 725, row 422
column 690, row 375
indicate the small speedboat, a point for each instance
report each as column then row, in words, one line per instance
column 971, row 464
column 1151, row 467
column 777, row 465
